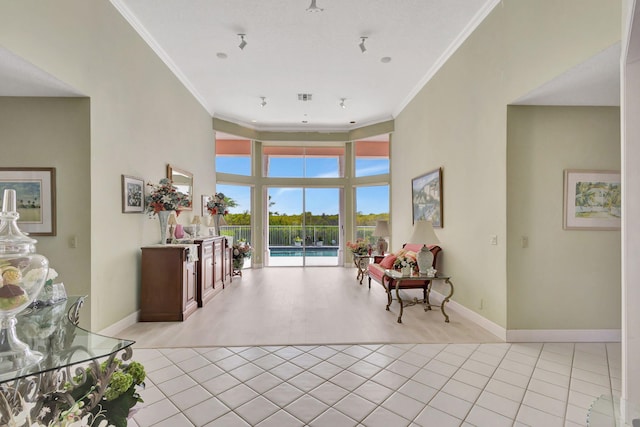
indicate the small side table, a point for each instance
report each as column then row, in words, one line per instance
column 399, row 278
column 362, row 263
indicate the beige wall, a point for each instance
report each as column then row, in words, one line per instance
column 458, row 122
column 141, row 118
column 564, row 277
column 54, row 132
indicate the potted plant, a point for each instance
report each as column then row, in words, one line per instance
column 320, row 241
column 297, row 241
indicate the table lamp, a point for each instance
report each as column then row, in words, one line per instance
column 196, row 222
column 382, row 231
column 172, row 226
column 423, row 233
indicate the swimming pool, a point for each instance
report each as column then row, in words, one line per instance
column 308, row 251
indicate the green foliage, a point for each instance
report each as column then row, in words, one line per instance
column 120, row 394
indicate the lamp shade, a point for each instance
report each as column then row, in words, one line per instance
column 172, row 220
column 382, row 228
column 195, row 220
column 423, row 233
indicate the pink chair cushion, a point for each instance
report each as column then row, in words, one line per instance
column 388, row 261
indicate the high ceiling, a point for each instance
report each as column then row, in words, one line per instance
column 291, row 50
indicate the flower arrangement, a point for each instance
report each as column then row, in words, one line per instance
column 217, row 205
column 119, row 396
column 405, row 259
column 92, row 404
column 165, row 197
column 359, row 247
column 241, row 250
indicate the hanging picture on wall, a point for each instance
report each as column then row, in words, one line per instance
column 35, row 196
column 426, row 197
column 132, row 194
column 592, row 200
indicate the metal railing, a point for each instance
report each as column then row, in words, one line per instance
column 288, row 235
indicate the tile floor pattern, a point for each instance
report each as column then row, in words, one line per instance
column 386, row 385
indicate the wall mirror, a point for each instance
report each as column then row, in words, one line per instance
column 183, row 181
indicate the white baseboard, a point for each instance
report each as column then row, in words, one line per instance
column 121, row 325
column 564, row 335
column 479, row 320
column 532, row 335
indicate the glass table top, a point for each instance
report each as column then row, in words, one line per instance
column 49, row 331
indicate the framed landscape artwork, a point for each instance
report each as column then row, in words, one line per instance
column 426, row 197
column 592, row 200
column 132, row 194
column 35, row 197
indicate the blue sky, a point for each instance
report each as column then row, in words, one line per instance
column 318, row 200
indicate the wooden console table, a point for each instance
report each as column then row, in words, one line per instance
column 398, row 278
column 53, row 331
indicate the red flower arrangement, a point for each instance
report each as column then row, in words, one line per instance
column 165, row 197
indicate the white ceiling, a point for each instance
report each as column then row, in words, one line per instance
column 593, row 82
column 21, row 78
column 291, row 50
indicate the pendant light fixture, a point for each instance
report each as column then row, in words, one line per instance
column 313, row 8
column 363, row 48
column 243, row 43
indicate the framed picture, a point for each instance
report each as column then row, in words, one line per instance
column 35, row 196
column 132, row 194
column 205, row 200
column 426, row 197
column 592, row 200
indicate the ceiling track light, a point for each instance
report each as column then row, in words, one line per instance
column 313, row 8
column 243, row 43
column 342, row 104
column 363, row 48
column 263, row 103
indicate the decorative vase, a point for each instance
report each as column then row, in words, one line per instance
column 424, row 259
column 163, row 216
column 179, row 233
column 23, row 273
column 238, row 262
column 406, row 270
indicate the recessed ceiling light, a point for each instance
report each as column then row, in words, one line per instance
column 352, row 122
column 385, row 59
column 221, row 55
column 305, row 121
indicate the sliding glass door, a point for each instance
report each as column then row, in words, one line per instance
column 303, row 226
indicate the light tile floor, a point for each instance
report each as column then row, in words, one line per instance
column 380, row 385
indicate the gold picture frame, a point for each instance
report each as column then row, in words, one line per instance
column 183, row 181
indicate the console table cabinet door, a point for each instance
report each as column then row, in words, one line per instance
column 205, row 285
column 218, row 262
column 168, row 284
column 209, row 266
